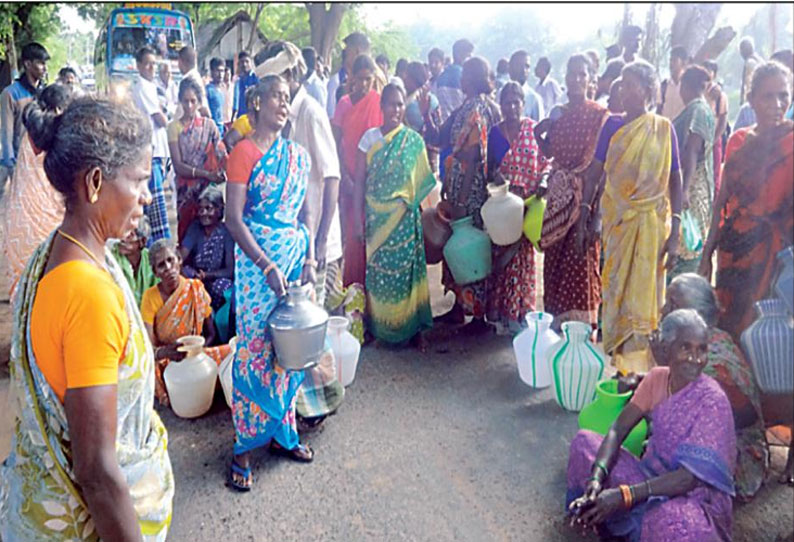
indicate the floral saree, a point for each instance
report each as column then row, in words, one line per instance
column 757, row 220
column 635, row 212
column 692, row 429
column 398, row 179
column 264, row 393
column 39, row 496
column 571, row 282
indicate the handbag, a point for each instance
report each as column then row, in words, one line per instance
column 693, row 240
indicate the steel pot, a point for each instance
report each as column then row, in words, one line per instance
column 298, row 328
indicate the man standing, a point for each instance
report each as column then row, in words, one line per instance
column 16, row 96
column 246, row 78
column 502, row 75
column 519, row 72
column 550, row 91
column 450, row 96
column 630, row 40
column 187, row 65
column 144, row 94
column 751, row 61
column 216, row 98
column 167, row 87
column 612, row 71
column 314, row 83
column 435, row 62
column 672, row 104
column 308, row 125
column 68, row 77
column 355, row 44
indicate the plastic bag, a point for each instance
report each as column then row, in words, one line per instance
column 693, row 240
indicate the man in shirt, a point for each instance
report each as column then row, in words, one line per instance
column 450, row 96
column 16, row 96
column 308, row 125
column 630, row 41
column 502, row 75
column 435, row 61
column 356, row 44
column 549, row 90
column 612, row 71
column 215, row 95
column 519, row 72
column 187, row 65
column 168, row 88
column 144, row 94
column 68, row 77
column 751, row 61
column 672, row 104
column 247, row 78
column 314, row 83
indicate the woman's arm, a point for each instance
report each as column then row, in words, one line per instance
column 713, row 238
column 227, row 271
column 232, row 138
column 329, row 203
column 184, row 170
column 693, row 146
column 91, row 414
column 307, row 217
column 210, row 332
column 593, row 179
column 670, row 248
column 359, row 191
column 541, row 131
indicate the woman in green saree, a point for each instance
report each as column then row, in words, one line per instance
column 393, row 160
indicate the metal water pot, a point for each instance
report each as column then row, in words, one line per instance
column 298, row 327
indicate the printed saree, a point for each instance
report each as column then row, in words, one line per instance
column 692, row 429
column 635, row 213
column 398, row 179
column 571, row 282
column 757, row 220
column 511, row 292
column 201, row 147
column 29, row 210
column 697, row 118
column 264, row 393
column 39, row 496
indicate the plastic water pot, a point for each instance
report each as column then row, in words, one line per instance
column 533, row 219
column 346, row 349
column 191, row 382
column 531, row 348
column 436, row 231
column 576, row 366
column 503, row 215
column 225, row 372
column 468, row 252
column 769, row 344
column 599, row 415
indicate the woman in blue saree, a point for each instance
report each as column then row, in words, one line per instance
column 266, row 210
column 681, row 489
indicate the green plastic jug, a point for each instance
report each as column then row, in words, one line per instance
column 599, row 415
column 468, row 252
column 533, row 219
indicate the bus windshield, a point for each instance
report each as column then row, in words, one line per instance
column 164, row 31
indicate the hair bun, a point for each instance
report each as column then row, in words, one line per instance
column 41, row 124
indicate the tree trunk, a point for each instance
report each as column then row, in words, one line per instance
column 651, row 48
column 324, row 24
column 255, row 25
column 716, row 44
column 692, row 25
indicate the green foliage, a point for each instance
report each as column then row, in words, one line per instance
column 27, row 22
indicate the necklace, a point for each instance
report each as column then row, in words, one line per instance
column 82, row 246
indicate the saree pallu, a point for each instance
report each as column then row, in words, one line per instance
column 39, row 496
column 362, row 116
column 398, row 179
column 697, row 118
column 201, row 147
column 140, row 280
column 635, row 212
column 512, row 291
column 30, row 209
column 726, row 365
column 571, row 282
column 470, row 127
column 757, row 220
column 264, row 393
column 692, row 429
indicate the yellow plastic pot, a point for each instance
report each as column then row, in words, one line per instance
column 533, row 219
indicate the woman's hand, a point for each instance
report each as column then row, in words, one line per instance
column 424, row 100
column 670, row 250
column 277, row 282
column 704, row 269
column 582, row 235
column 309, row 274
column 170, row 352
column 218, row 177
column 606, row 504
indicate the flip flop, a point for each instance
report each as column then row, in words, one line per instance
column 302, row 453
column 244, row 472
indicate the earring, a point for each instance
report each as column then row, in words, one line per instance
column 94, row 197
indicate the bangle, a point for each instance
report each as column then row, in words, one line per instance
column 626, row 493
column 310, row 263
column 594, row 479
column 633, row 496
column 677, row 215
column 601, row 465
column 271, row 266
column 586, row 206
column 259, row 259
column 648, row 489
column 192, row 172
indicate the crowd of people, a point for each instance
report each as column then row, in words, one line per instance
column 326, row 178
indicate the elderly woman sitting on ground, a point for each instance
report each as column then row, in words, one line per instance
column 726, row 365
column 176, row 307
column 133, row 258
column 681, row 489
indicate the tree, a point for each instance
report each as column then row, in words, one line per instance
column 692, row 25
column 20, row 24
column 324, row 22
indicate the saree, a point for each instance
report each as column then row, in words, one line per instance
column 635, row 213
column 757, row 220
column 139, row 280
column 726, row 365
column 209, row 255
column 470, row 127
column 358, row 118
column 264, row 393
column 398, row 179
column 30, row 209
column 692, row 429
column 512, row 290
column 201, row 147
column 39, row 496
column 697, row 118
column 571, row 282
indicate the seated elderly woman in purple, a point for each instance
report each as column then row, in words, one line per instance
column 681, row 489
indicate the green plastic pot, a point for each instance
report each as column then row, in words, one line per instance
column 533, row 219
column 599, row 415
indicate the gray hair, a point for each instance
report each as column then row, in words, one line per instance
column 766, row 70
column 262, row 89
column 699, row 295
column 646, row 73
column 159, row 246
column 144, row 229
column 677, row 320
column 214, row 195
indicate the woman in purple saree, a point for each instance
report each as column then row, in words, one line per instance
column 681, row 489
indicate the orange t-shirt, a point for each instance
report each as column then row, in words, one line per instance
column 241, row 161
column 78, row 327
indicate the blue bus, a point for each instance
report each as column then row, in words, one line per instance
column 128, row 29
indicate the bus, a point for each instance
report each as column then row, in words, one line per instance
column 129, row 28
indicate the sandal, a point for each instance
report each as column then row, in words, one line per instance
column 245, row 473
column 309, row 425
column 302, row 453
